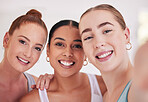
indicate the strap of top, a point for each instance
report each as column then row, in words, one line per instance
column 124, row 94
column 96, row 95
column 30, row 81
column 43, row 95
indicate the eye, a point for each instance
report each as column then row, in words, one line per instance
column 106, row 31
column 88, row 38
column 38, row 49
column 22, row 42
column 77, row 46
column 59, row 44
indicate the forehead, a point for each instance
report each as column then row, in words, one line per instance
column 67, row 32
column 92, row 18
column 32, row 31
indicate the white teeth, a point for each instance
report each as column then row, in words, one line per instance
column 104, row 55
column 66, row 63
column 23, row 60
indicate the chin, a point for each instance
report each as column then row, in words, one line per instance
column 106, row 69
column 66, row 75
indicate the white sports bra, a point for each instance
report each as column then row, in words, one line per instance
column 96, row 95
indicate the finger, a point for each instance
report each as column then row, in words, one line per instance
column 47, row 83
column 42, row 83
column 48, row 79
column 33, row 86
column 39, row 81
column 50, row 76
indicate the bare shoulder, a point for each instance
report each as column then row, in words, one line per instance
column 32, row 96
column 101, row 84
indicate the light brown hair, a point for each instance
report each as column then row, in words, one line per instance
column 118, row 17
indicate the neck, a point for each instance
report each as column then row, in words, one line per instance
column 8, row 74
column 117, row 79
column 68, row 83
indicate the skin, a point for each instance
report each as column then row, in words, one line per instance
column 66, row 42
column 102, row 34
column 139, row 90
column 22, row 51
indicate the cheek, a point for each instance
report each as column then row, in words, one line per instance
column 13, row 50
column 53, row 54
column 36, row 56
column 87, row 47
column 119, row 49
column 88, row 50
column 80, row 53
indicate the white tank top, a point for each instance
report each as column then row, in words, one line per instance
column 96, row 95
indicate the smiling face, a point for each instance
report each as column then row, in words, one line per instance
column 104, row 41
column 65, row 52
column 23, row 48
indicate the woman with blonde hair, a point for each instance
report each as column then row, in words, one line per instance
column 105, row 37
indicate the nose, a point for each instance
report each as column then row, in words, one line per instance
column 68, row 52
column 99, row 42
column 28, row 52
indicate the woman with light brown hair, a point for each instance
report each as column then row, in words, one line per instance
column 106, row 39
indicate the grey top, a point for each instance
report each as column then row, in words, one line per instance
column 30, row 81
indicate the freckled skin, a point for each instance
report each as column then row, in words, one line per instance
column 23, row 44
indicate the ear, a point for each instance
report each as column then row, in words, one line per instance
column 47, row 50
column 6, row 39
column 127, row 35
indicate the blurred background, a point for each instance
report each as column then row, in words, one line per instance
column 135, row 13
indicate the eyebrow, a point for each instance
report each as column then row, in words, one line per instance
column 59, row 38
column 86, row 30
column 99, row 26
column 103, row 24
column 29, row 40
column 40, row 45
column 24, row 37
column 77, row 40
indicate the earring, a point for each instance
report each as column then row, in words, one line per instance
column 47, row 59
column 85, row 63
column 128, row 46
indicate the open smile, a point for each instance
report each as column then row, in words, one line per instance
column 104, row 56
column 66, row 64
column 23, row 60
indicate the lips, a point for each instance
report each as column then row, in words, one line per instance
column 23, row 60
column 66, row 63
column 104, row 56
